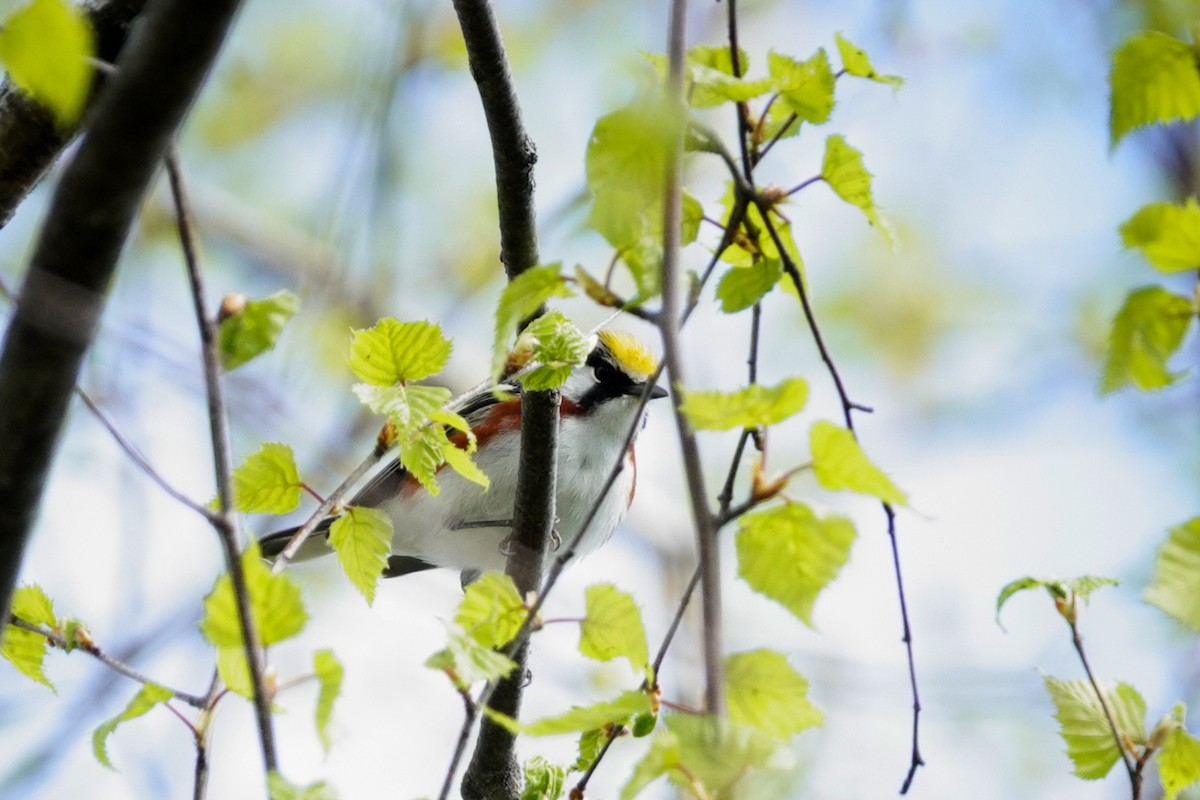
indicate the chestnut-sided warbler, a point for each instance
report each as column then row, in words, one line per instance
column 465, row 527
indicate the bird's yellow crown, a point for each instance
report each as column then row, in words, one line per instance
column 630, row 354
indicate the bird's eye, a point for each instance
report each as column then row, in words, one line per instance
column 604, row 373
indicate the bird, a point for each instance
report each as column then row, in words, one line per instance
column 466, row 527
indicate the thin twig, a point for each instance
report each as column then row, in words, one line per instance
column 804, row 184
column 471, row 710
column 1126, row 758
column 226, row 524
column 775, row 139
column 581, row 787
column 93, row 650
column 676, row 620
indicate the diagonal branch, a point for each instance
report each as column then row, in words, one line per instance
column 76, row 254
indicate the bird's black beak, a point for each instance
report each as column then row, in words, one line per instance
column 657, row 392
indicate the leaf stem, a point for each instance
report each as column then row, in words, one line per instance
column 1135, row 777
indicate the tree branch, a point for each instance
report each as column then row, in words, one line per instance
column 30, row 140
column 226, row 522
column 76, row 254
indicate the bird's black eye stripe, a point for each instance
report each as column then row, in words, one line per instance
column 605, row 373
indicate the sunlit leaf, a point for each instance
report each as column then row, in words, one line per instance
column 267, row 482
column 24, row 649
column 362, row 539
column 1168, row 235
column 234, row 672
column 275, row 605
column 150, row 695
column 840, row 464
column 842, row 168
column 1145, row 334
column 1154, row 80
column 591, row 743
column 586, row 718
column 790, row 554
column 466, row 661
column 393, row 352
column 421, row 453
column 407, row 406
column 1178, row 759
column 45, row 47
column 805, row 87
column 491, row 610
column 557, row 346
column 1058, row 589
column 520, row 299
column 692, row 214
column 254, row 328
column 746, row 408
column 764, row 691
column 543, row 780
column 1084, row 727
column 461, row 462
column 329, row 674
column 1175, row 587
column 742, row 287
column 279, row 788
column 856, row 62
column 612, row 627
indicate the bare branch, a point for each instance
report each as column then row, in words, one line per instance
column 226, row 522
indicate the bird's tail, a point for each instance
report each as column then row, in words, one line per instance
column 314, row 546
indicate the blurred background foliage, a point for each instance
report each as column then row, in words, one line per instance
column 339, row 151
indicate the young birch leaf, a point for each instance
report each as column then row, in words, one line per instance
column 1175, row 587
column 586, row 718
column 742, row 287
column 394, row 352
column 692, row 215
column 150, row 696
column 613, row 627
column 407, row 406
column 254, row 328
column 1154, row 80
column 422, row 453
column 362, row 539
column 467, row 662
column 763, row 691
column 1084, row 727
column 543, row 780
column 45, row 47
column 1145, row 333
column 329, row 674
column 24, row 649
column 557, row 346
column 275, row 605
column 661, row 759
column 839, row 463
column 790, row 554
column 716, row 752
column 842, row 168
column 805, row 87
column 1168, row 235
column 279, row 788
column 267, row 482
column 491, row 610
column 519, row 300
column 461, row 462
column 1178, row 762
column 235, row 672
column 1059, row 590
column 856, row 62
column 746, row 408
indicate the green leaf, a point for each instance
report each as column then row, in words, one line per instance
column 1178, row 762
column 805, row 87
column 612, row 627
column 422, row 453
column 393, row 352
column 150, row 696
column 329, row 674
column 491, row 610
column 1084, row 727
column 267, row 482
column 856, row 62
column 1168, row 235
column 742, row 287
column 1059, row 590
column 692, row 215
column 557, row 346
column 710, row 76
column 275, row 605
column 407, row 406
column 790, row 554
column 254, row 328
column 839, row 463
column 586, row 718
column 543, row 780
column 362, row 539
column 764, row 691
column 461, row 462
column 1145, row 333
column 520, row 299
column 235, row 672
column 1175, row 587
column 746, row 408
column 1153, row 81
column 842, row 168
column 591, row 743
column 279, row 788
column 24, row 649
column 466, row 661
column 45, row 47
